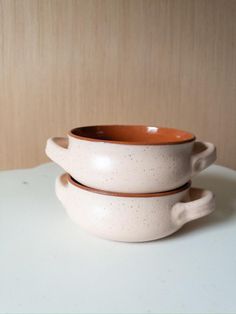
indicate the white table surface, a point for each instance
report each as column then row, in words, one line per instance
column 49, row 265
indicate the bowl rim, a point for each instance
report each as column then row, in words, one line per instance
column 75, row 183
column 190, row 137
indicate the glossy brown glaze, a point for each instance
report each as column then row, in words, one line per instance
column 86, row 188
column 132, row 134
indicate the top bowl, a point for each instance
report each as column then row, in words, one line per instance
column 130, row 158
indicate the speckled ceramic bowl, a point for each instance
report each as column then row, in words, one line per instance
column 132, row 217
column 131, row 159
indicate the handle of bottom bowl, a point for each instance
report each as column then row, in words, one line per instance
column 202, row 203
column 61, row 186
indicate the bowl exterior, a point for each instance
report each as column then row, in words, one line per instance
column 129, row 168
column 130, row 219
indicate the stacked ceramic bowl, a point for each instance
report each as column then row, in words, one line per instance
column 131, row 183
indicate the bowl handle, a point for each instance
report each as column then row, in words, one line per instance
column 57, row 151
column 61, row 186
column 203, row 158
column 202, row 203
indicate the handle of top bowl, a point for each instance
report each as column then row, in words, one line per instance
column 203, row 159
column 57, row 151
column 202, row 203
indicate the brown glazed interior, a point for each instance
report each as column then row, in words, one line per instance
column 132, row 134
column 86, row 188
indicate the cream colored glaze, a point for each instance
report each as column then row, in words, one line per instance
column 130, row 168
column 132, row 219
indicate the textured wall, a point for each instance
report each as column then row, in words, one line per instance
column 67, row 63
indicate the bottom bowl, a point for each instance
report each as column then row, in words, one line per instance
column 132, row 217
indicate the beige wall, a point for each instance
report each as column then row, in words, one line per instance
column 67, row 63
